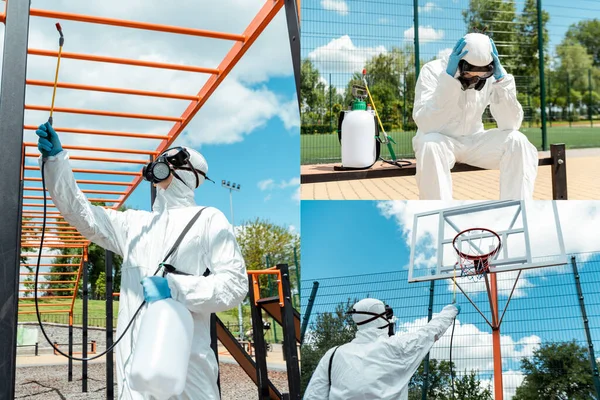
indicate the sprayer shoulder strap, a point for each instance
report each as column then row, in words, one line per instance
column 331, row 364
column 183, row 233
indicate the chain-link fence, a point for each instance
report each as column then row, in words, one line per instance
column 545, row 308
column 341, row 37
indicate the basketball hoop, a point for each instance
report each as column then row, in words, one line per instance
column 475, row 248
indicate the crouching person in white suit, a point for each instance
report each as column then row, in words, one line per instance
column 451, row 96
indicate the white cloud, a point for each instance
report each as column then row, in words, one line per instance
column 428, row 7
column 341, row 55
column 426, row 34
column 579, row 224
column 339, row 6
column 266, row 184
column 269, row 184
column 443, row 53
column 472, row 349
column 296, row 195
column 292, row 182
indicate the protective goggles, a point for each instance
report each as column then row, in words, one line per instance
column 176, row 158
column 474, row 77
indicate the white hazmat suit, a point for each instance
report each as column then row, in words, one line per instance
column 450, row 129
column 374, row 365
column 143, row 238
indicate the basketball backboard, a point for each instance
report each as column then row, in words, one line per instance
column 530, row 235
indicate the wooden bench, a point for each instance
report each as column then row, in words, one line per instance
column 325, row 173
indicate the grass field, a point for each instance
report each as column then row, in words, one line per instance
column 325, row 148
column 97, row 316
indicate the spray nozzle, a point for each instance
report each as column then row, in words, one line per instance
column 61, row 41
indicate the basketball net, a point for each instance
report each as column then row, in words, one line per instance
column 474, row 262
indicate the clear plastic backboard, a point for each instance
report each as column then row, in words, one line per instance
column 530, row 235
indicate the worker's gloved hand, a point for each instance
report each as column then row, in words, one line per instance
column 48, row 142
column 498, row 70
column 155, row 288
column 456, row 56
column 457, row 307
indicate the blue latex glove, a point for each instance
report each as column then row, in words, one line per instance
column 457, row 307
column 48, row 142
column 498, row 71
column 155, row 288
column 456, row 56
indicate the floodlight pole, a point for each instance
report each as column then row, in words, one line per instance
column 232, row 186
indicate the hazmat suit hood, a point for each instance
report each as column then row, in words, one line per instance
column 371, row 306
column 479, row 49
column 181, row 194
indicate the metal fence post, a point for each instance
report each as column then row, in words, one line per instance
column 308, row 311
column 426, row 366
column 590, row 113
column 569, row 116
column 84, row 334
column 12, row 101
column 586, row 327
column 542, row 78
column 297, row 264
column 416, row 30
column 110, row 388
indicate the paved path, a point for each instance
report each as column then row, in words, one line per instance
column 274, row 359
column 583, row 181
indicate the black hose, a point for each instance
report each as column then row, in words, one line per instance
column 451, row 367
column 37, row 310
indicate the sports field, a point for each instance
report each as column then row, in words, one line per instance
column 325, row 148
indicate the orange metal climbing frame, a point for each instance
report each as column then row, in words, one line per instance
column 121, row 181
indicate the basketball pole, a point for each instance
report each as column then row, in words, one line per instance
column 498, row 384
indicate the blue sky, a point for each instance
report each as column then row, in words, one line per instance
column 269, row 152
column 364, row 253
column 350, row 239
column 374, row 26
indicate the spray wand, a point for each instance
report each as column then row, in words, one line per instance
column 387, row 140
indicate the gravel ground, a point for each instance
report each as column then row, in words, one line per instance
column 50, row 383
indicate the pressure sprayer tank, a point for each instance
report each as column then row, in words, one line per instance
column 358, row 131
column 162, row 351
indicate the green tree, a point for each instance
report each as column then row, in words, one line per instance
column 556, row 371
column 497, row 18
column 587, row 33
column 260, row 238
column 527, row 54
column 391, row 80
column 438, row 381
column 312, row 93
column 327, row 331
column 574, row 61
column 466, row 387
column 100, row 289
